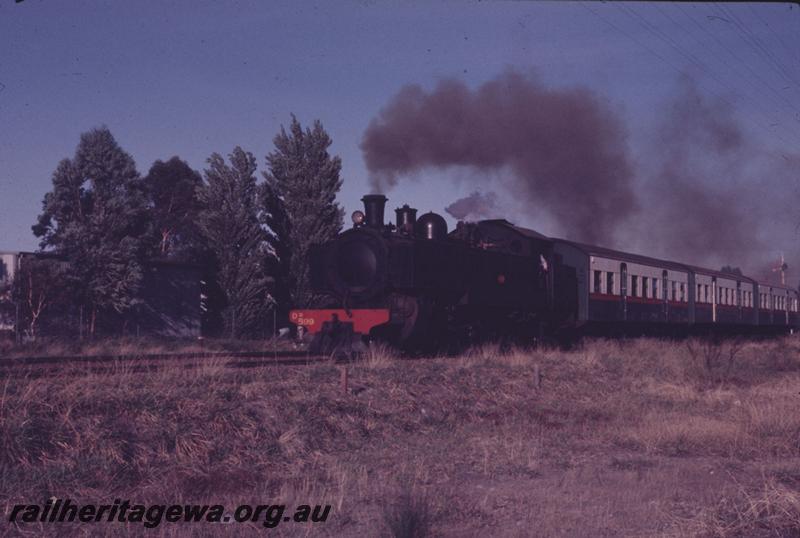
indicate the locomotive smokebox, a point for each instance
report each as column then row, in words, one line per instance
column 406, row 219
column 374, row 205
column 431, row 226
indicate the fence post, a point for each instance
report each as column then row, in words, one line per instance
column 343, row 379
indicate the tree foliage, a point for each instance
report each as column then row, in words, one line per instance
column 95, row 218
column 230, row 224
column 299, row 203
column 171, row 189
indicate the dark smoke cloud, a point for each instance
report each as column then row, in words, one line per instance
column 706, row 192
column 475, row 206
column 711, row 193
column 558, row 150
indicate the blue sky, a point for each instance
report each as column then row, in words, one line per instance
column 189, row 78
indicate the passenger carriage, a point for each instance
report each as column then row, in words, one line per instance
column 636, row 292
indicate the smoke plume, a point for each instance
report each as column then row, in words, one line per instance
column 711, row 191
column 562, row 151
column 475, row 206
column 706, row 193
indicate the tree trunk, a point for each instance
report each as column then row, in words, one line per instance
column 92, row 321
column 164, row 240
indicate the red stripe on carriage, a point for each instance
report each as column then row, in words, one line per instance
column 363, row 319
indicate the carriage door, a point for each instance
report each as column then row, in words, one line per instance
column 739, row 300
column 664, row 307
column 786, row 307
column 714, row 299
column 623, row 289
column 771, row 306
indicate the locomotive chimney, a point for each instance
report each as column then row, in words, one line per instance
column 373, row 209
column 406, row 219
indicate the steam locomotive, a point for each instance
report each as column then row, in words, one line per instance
column 416, row 285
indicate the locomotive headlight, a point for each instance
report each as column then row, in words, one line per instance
column 358, row 217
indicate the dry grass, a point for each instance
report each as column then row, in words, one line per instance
column 136, row 346
column 773, row 509
column 632, row 438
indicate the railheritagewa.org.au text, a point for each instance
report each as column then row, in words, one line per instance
column 153, row 515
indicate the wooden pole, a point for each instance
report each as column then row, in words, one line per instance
column 537, row 376
column 343, row 379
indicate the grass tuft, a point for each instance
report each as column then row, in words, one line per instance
column 409, row 516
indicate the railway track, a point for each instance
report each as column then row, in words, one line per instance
column 40, row 366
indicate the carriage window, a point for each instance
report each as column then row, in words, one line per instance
column 674, row 290
column 634, row 286
column 623, row 279
column 683, row 293
column 644, row 287
column 597, row 279
column 655, row 288
column 610, row 282
column 707, row 298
